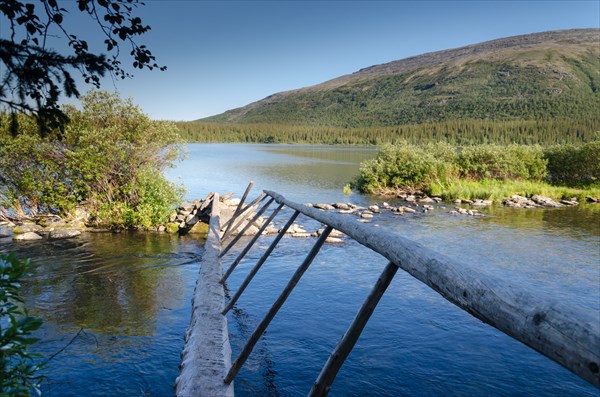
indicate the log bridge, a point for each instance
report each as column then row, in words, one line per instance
column 568, row 335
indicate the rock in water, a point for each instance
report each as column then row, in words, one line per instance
column 63, row 233
column 28, row 236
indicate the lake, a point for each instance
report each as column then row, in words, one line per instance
column 116, row 306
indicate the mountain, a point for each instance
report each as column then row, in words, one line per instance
column 538, row 76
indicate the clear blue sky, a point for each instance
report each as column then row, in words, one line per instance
column 225, row 54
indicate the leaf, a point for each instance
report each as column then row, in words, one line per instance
column 58, row 18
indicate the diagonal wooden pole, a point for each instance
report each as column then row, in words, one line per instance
column 250, row 223
column 258, row 199
column 344, row 347
column 250, row 244
column 260, row 262
column 239, row 207
column 235, row 368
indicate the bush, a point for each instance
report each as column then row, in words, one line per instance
column 404, row 166
column 502, row 162
column 17, row 366
column 109, row 158
column 574, row 165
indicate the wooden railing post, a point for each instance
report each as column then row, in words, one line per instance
column 260, row 262
column 258, row 199
column 346, row 344
column 261, row 328
column 248, row 226
column 239, row 207
column 250, row 244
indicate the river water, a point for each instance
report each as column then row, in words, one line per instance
column 116, row 306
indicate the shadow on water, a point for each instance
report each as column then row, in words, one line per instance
column 118, row 302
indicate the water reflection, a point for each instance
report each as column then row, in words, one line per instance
column 119, row 303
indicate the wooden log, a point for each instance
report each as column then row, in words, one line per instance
column 206, row 357
column 250, row 244
column 239, row 207
column 569, row 335
column 346, row 344
column 262, row 327
column 260, row 262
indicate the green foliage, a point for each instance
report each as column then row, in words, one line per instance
column 482, row 171
column 457, row 132
column 17, row 366
column 501, row 162
column 109, row 158
column 405, row 166
column 574, row 165
column 34, row 76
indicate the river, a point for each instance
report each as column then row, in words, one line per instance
column 116, row 306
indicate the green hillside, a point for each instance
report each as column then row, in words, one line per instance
column 543, row 76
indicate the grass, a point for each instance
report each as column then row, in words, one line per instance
column 496, row 190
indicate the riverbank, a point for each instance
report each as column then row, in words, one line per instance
column 485, row 172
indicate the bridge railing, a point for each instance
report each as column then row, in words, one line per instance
column 568, row 335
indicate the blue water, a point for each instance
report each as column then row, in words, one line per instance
column 130, row 293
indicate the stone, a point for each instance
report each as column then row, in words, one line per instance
column 302, row 235
column 234, row 202
column 161, row 228
column 342, row 206
column 199, row 228
column 545, row 201
column 437, row 199
column 592, row 199
column 345, row 211
column 27, row 236
column 482, row 203
column 5, row 232
column 27, row 228
column 374, row 208
column 411, row 199
column 186, row 206
column 171, row 227
column 426, row 200
column 334, row 240
column 366, row 215
column 172, row 217
column 82, row 215
column 409, row 210
column 325, row 207
column 295, row 228
column 180, row 218
column 457, row 201
column 63, row 233
column 569, row 202
column 334, row 233
column 385, row 205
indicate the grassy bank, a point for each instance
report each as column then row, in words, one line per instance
column 491, row 172
column 496, row 190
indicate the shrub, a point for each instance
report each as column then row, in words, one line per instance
column 574, row 165
column 402, row 166
column 502, row 162
column 17, row 366
column 109, row 158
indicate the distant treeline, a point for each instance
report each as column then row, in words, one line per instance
column 459, row 132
